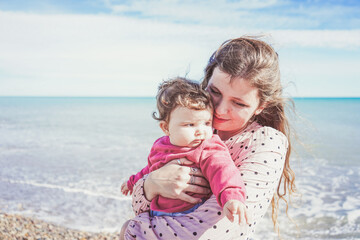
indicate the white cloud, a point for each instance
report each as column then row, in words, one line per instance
column 248, row 14
column 348, row 39
column 211, row 13
column 163, row 6
column 321, row 76
column 114, row 55
column 93, row 51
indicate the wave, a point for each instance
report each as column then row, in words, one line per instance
column 68, row 189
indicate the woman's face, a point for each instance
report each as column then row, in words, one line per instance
column 235, row 103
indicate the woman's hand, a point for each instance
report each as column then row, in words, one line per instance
column 174, row 180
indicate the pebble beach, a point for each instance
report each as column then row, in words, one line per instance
column 24, row 228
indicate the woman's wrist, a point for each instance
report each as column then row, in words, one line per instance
column 149, row 189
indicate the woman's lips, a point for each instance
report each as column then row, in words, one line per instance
column 219, row 120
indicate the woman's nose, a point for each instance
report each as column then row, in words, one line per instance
column 221, row 107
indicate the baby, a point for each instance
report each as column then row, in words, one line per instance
column 185, row 115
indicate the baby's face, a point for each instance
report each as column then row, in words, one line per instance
column 188, row 127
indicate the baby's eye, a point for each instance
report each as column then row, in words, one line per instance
column 189, row 125
column 209, row 123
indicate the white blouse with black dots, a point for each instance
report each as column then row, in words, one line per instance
column 259, row 153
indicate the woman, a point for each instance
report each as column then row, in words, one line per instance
column 243, row 79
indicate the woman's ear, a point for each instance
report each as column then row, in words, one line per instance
column 261, row 108
column 165, row 127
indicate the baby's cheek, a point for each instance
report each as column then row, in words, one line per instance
column 189, row 135
column 209, row 133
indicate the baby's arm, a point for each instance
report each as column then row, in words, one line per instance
column 225, row 180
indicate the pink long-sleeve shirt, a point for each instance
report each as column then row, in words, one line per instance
column 211, row 156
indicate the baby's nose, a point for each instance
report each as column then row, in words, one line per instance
column 199, row 132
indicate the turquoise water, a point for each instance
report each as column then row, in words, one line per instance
column 331, row 128
column 64, row 159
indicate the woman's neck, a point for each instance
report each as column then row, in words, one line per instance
column 225, row 135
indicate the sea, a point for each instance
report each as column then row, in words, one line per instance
column 63, row 159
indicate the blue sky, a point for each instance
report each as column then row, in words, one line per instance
column 125, row 48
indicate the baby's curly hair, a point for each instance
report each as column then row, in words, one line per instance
column 180, row 92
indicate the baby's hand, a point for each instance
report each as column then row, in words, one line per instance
column 124, row 189
column 235, row 207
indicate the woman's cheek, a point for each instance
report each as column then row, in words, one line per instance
column 238, row 115
column 214, row 99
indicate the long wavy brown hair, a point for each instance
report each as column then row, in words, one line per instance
column 257, row 62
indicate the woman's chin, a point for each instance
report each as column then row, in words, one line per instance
column 221, row 127
column 228, row 126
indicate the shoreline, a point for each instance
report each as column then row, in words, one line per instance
column 13, row 226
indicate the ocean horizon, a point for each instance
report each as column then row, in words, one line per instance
column 63, row 160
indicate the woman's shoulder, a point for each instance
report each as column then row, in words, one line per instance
column 259, row 144
column 265, row 130
column 256, row 133
column 268, row 132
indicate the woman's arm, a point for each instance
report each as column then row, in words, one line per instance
column 171, row 181
column 139, row 202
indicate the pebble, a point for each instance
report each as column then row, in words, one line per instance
column 18, row 227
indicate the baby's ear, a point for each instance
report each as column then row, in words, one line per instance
column 165, row 127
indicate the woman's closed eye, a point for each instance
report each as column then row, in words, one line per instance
column 213, row 91
column 239, row 104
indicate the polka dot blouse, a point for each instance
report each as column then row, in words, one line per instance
column 259, row 154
